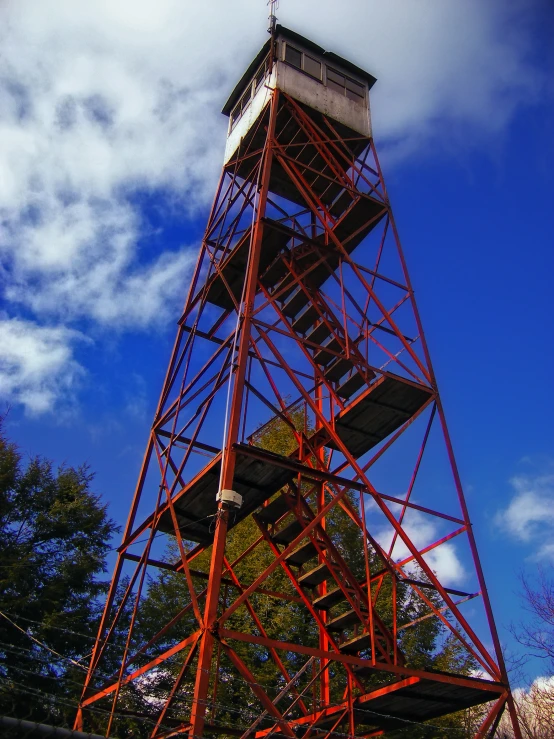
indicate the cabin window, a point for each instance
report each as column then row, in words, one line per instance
column 312, row 67
column 293, row 56
column 303, row 61
column 235, row 115
column 354, row 90
column 260, row 75
column 259, row 78
column 343, row 84
column 250, row 91
column 336, row 81
column 242, row 104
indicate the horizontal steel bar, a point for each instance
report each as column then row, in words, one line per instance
column 476, row 683
column 309, row 472
column 45, row 729
column 421, row 584
column 186, row 440
column 177, row 567
column 417, row 507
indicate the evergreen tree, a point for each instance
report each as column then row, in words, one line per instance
column 54, row 537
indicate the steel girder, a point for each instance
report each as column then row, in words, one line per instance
column 300, row 307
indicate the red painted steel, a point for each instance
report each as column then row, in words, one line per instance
column 300, row 306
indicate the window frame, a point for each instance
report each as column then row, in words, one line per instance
column 301, row 68
column 348, row 92
column 257, row 81
column 298, row 51
column 240, row 107
column 317, row 61
column 344, row 87
column 250, row 91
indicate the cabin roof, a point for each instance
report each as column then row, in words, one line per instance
column 307, row 44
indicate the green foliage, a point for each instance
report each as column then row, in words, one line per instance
column 54, row 537
column 278, row 436
column 425, row 643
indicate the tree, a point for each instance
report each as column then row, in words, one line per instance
column 424, row 640
column 535, row 710
column 535, row 705
column 537, row 636
column 54, row 537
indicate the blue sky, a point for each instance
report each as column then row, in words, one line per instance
column 110, row 146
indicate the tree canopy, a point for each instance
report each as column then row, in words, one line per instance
column 55, row 535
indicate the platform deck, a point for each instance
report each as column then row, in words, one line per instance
column 196, row 504
column 378, row 412
column 407, row 701
column 369, row 419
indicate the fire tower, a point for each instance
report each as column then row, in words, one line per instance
column 299, row 458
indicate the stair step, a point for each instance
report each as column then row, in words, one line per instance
column 341, row 203
column 318, row 334
column 272, row 512
column 315, row 577
column 343, row 621
column 338, row 369
column 305, row 319
column 323, row 356
column 327, row 601
column 351, row 385
column 295, row 303
column 303, row 554
column 356, row 644
column 287, row 292
column 288, row 532
column 364, row 671
column 274, row 273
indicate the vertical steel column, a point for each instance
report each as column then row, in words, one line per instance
column 201, row 687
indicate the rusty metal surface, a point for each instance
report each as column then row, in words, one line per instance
column 300, row 307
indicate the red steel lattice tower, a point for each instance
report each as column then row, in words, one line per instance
column 300, row 323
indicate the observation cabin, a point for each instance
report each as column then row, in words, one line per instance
column 319, row 79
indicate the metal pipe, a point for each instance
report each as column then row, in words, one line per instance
column 45, row 729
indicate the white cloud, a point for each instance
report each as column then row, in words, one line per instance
column 529, row 516
column 104, row 104
column 439, row 65
column 423, row 531
column 37, row 364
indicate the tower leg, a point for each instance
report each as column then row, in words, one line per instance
column 201, row 687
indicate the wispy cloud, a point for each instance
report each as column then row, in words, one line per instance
column 424, row 531
column 101, row 102
column 529, row 515
column 37, row 366
column 445, row 70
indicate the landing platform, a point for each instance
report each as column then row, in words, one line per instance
column 278, row 241
column 295, row 142
column 423, row 700
column 369, row 419
column 412, row 700
column 196, row 505
column 378, row 412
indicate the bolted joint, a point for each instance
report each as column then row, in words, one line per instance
column 214, row 629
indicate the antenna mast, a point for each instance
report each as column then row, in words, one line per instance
column 273, row 6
